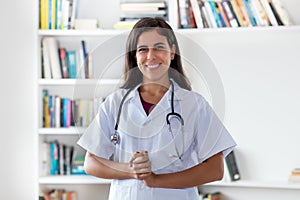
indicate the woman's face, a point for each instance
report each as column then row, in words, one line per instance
column 154, row 56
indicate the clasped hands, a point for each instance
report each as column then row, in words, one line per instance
column 140, row 167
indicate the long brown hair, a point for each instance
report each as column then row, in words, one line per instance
column 132, row 74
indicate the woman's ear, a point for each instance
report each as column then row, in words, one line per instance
column 173, row 51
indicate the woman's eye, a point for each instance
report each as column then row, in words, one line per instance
column 160, row 47
column 142, row 49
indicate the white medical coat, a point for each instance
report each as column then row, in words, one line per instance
column 203, row 136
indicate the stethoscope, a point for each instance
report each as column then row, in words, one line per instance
column 115, row 138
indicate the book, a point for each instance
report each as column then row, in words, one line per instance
column 276, row 15
column 44, row 14
column 250, row 12
column 223, row 14
column 282, row 12
column 244, row 12
column 86, row 24
column 232, row 167
column 197, row 13
column 210, row 14
column 65, row 14
column 215, row 14
column 63, row 62
column 45, row 158
column 204, row 15
column 229, row 13
column 46, row 66
column 264, row 20
column 72, row 64
column 238, row 13
column 183, row 15
column 269, row 12
column 255, row 12
column 51, row 45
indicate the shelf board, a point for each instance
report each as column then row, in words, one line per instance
column 97, row 32
column 72, row 82
column 114, row 32
column 61, row 131
column 256, row 184
column 73, row 179
column 240, row 29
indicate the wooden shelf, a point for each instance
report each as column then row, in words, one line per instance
column 73, row 179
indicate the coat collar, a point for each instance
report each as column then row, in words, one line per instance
column 134, row 94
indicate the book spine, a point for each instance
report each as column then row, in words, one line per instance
column 254, row 12
column 54, row 57
column 232, row 167
column 232, row 20
column 269, row 12
column 44, row 14
column 282, row 12
column 58, row 14
column 244, row 12
column 215, row 14
column 276, row 15
column 57, row 111
column 72, row 66
column 46, row 66
column 261, row 12
column 210, row 15
column 249, row 12
column 223, row 14
column 238, row 13
column 197, row 13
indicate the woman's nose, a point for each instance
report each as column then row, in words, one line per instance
column 151, row 53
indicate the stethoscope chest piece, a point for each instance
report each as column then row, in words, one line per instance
column 115, row 138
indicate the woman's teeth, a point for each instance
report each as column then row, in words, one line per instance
column 152, row 66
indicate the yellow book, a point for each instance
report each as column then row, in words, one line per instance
column 44, row 14
column 53, row 14
column 244, row 13
column 238, row 13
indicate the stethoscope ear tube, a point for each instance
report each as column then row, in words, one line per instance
column 172, row 113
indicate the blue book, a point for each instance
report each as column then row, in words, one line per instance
column 65, row 112
column 250, row 14
column 58, row 14
column 72, row 65
column 53, row 158
column 216, row 15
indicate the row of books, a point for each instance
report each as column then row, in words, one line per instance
column 132, row 11
column 58, row 194
column 232, row 172
column 64, row 112
column 57, row 14
column 295, row 175
column 60, row 159
column 231, row 13
column 211, row 196
column 58, row 62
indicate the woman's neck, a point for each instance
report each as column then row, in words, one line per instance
column 153, row 92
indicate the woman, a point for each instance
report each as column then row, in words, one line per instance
column 155, row 137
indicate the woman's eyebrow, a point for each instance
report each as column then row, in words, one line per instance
column 143, row 46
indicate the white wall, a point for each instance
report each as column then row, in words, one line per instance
column 259, row 69
column 17, row 102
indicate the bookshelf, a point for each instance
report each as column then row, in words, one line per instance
column 255, row 64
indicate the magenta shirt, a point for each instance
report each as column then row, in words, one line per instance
column 147, row 106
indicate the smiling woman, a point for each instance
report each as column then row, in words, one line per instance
column 164, row 139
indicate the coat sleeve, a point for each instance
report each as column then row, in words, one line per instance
column 211, row 135
column 96, row 138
